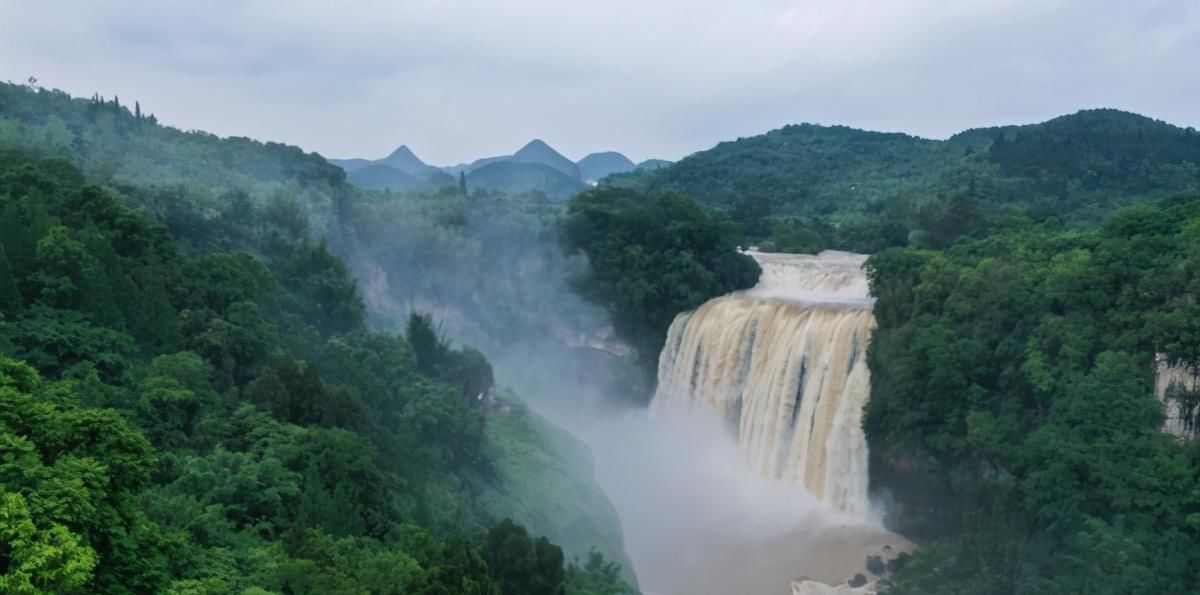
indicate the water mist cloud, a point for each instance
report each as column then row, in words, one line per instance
column 698, row 521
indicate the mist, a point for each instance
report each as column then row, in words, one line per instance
column 696, row 517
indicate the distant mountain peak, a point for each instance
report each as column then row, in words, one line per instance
column 536, row 146
column 404, row 159
column 537, row 151
column 402, row 152
column 596, row 166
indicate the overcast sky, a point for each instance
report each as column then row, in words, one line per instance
column 461, row 79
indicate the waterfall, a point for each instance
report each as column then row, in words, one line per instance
column 785, row 364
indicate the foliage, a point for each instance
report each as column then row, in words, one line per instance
column 116, row 146
column 68, row 476
column 807, row 187
column 545, row 462
column 1012, row 416
column 39, row 559
column 218, row 418
column 521, row 564
column 653, row 257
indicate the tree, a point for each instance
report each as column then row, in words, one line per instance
column 520, row 564
column 10, row 294
column 39, row 560
column 653, row 257
column 63, row 264
column 58, row 341
column 596, row 577
column 428, row 346
column 76, row 468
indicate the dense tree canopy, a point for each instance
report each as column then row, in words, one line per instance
column 216, row 420
column 653, row 257
column 803, row 188
column 1012, row 417
column 192, row 401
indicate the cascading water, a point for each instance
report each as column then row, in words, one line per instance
column 785, row 364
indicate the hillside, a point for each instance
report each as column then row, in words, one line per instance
column 1012, row 375
column 350, row 165
column 1069, row 166
column 378, row 176
column 115, row 144
column 208, row 315
column 516, row 177
column 474, row 165
column 652, row 164
column 1098, row 149
column 805, row 187
column 803, row 169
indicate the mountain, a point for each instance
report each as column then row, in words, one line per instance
column 599, row 165
column 1101, row 148
column 402, row 170
column 537, row 151
column 523, row 171
column 404, row 160
column 518, row 177
column 801, row 168
column 454, row 170
column 653, row 164
column 535, row 167
column 208, row 284
column 385, row 177
column 1077, row 167
column 351, row 164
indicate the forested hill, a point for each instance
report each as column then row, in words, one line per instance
column 1103, row 149
column 1013, row 422
column 807, row 186
column 119, row 145
column 802, row 168
column 191, row 400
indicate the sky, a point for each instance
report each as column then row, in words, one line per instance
column 456, row 80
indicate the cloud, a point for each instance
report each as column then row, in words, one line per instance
column 462, row 79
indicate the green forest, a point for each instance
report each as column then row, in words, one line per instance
column 194, row 402
column 1026, row 280
column 804, row 188
column 198, row 397
column 652, row 257
column 1012, row 416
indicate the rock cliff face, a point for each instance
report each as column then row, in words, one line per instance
column 1178, row 387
